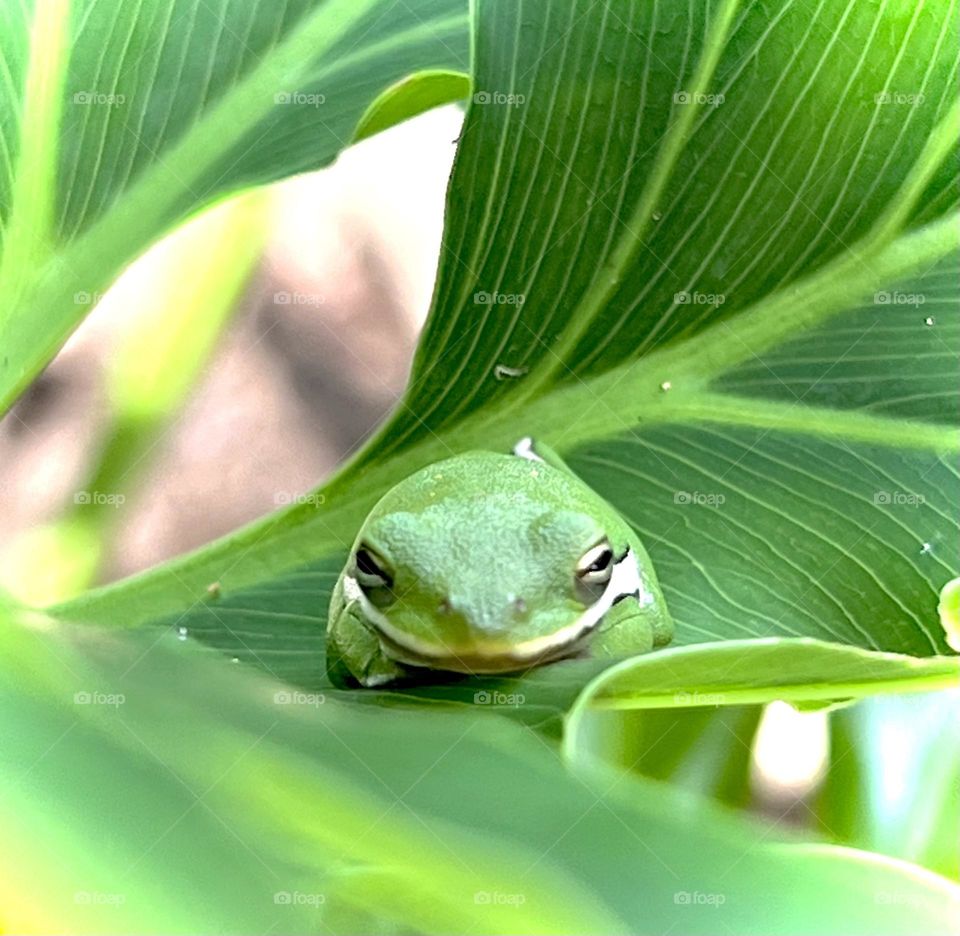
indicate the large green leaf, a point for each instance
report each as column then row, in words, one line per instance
column 600, row 178
column 629, row 217
column 235, row 805
column 116, row 121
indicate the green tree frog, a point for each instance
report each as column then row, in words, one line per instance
column 490, row 563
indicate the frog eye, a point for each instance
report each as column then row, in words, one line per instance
column 369, row 570
column 596, row 564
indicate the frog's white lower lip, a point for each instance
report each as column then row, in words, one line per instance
column 406, row 648
column 411, row 651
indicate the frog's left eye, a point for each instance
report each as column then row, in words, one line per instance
column 369, row 569
column 596, row 564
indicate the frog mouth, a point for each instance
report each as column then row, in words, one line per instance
column 412, row 651
column 570, row 640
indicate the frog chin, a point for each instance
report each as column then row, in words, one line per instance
column 567, row 641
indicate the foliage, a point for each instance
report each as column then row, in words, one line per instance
column 710, row 254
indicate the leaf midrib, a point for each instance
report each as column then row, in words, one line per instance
column 28, row 236
column 154, row 593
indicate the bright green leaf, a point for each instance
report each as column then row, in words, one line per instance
column 410, row 97
column 226, row 794
column 119, row 121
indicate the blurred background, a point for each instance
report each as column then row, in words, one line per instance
column 199, row 394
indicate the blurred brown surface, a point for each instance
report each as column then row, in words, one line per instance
column 315, row 357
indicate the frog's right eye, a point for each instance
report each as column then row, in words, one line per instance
column 369, row 569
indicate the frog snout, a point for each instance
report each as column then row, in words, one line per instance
column 490, row 617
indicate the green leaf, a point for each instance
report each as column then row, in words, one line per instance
column 650, row 219
column 949, row 610
column 410, row 97
column 228, row 787
column 689, row 715
column 767, row 517
column 895, row 355
column 705, row 750
column 893, row 779
column 748, row 672
column 118, row 122
column 793, row 199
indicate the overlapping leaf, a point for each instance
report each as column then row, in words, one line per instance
column 117, row 121
column 235, row 804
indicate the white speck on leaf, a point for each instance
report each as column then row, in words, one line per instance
column 505, row 372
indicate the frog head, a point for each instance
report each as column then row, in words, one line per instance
column 488, row 563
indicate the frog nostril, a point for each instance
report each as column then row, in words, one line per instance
column 519, row 606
